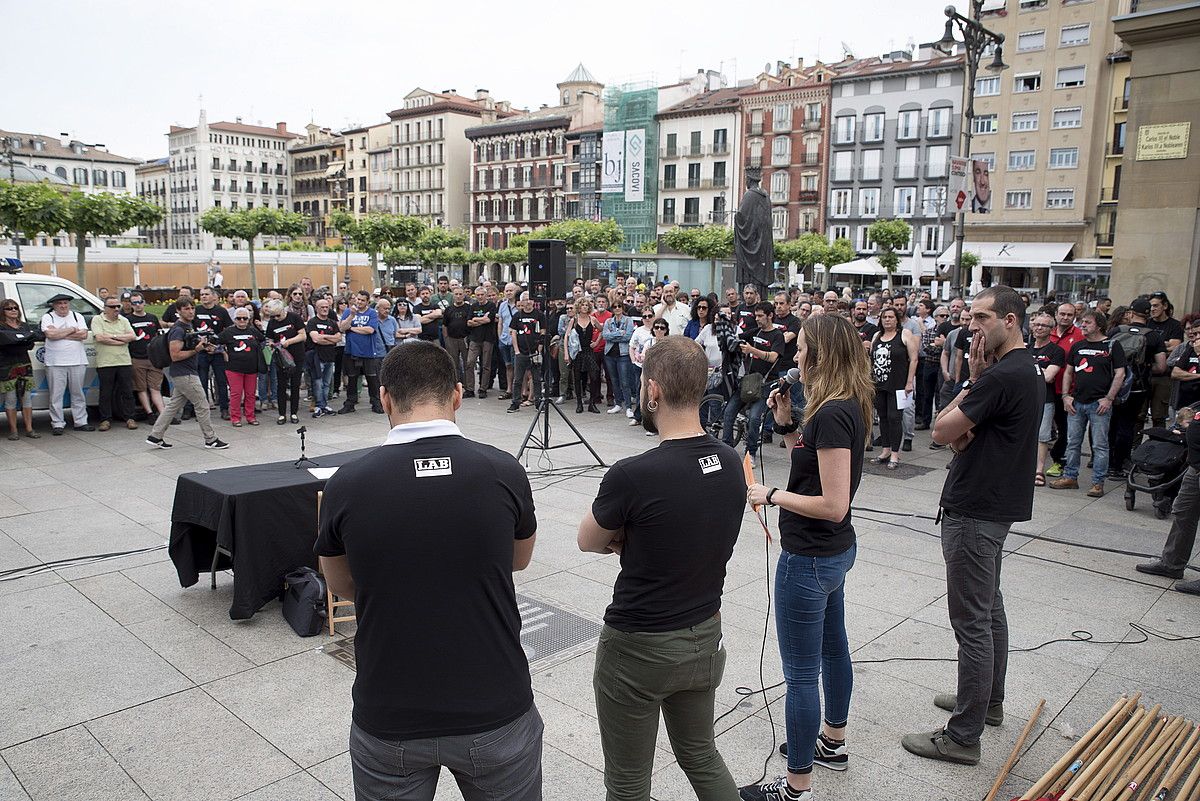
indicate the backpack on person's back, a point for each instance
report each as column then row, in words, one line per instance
column 1132, row 339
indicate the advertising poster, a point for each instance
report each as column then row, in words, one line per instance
column 635, row 165
column 612, row 177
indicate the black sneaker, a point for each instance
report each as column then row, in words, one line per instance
column 934, row 446
column 157, row 442
column 85, row 428
column 468, row 393
column 774, row 790
column 906, row 446
column 216, row 445
column 830, row 753
column 58, row 432
column 483, row 393
column 346, row 409
column 512, row 409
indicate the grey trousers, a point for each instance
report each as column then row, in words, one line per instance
column 504, row 764
column 60, row 379
column 457, row 348
column 479, row 354
column 186, row 388
column 1181, row 539
column 973, row 550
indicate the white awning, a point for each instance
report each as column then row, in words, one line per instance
column 1026, row 255
column 336, row 168
column 871, row 266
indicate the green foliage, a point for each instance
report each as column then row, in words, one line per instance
column 806, row 250
column 247, row 224
column 104, row 214
column 297, row 245
column 134, row 245
column 649, row 246
column 581, row 236
column 710, row 242
column 840, row 252
column 378, row 232
column 889, row 236
column 969, row 260
column 435, row 245
column 513, row 254
column 31, row 209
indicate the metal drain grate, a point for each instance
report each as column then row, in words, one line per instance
column 550, row 634
column 904, row 470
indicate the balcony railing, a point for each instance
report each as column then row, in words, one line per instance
column 718, row 217
column 1121, row 104
column 691, row 219
column 1110, row 194
column 812, row 124
column 781, row 159
column 720, row 148
column 666, row 219
column 668, row 183
column 1114, row 149
column 808, row 195
column 908, row 172
column 779, row 197
column 1105, row 239
column 871, row 173
column 693, row 183
column 755, row 161
column 756, row 129
column 810, row 159
column 713, row 183
column 843, row 174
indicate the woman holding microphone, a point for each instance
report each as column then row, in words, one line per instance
column 818, row 541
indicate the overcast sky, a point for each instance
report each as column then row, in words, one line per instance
column 120, row 72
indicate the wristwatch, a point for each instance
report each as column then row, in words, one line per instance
column 967, row 384
column 770, row 494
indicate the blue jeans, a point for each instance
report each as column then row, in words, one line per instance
column 635, row 391
column 214, row 362
column 268, row 384
column 322, row 380
column 810, row 620
column 1088, row 414
column 618, row 372
column 754, row 416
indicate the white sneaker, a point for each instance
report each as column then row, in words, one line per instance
column 614, row 410
column 629, row 412
column 633, row 422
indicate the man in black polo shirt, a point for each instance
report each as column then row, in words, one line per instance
column 661, row 643
column 454, row 317
column 992, row 425
column 211, row 319
column 761, row 351
column 527, row 328
column 442, row 677
column 430, row 315
column 789, row 324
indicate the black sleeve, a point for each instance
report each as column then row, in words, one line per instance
column 611, row 507
column 1118, row 355
column 984, row 398
column 778, row 346
column 311, row 327
column 833, row 427
column 223, row 313
column 527, row 521
column 1056, row 356
column 329, row 521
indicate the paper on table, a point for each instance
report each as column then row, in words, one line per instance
column 322, row 472
column 903, row 399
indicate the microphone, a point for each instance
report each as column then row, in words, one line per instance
column 790, row 377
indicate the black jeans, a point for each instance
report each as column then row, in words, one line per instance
column 973, row 550
column 1123, row 429
column 891, row 424
column 116, row 392
column 928, row 371
column 289, row 387
column 1058, row 451
column 584, row 364
column 353, row 367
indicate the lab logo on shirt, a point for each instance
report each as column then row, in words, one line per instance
column 709, row 464
column 427, row 468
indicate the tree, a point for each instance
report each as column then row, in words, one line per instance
column 840, row 252
column 31, row 209
column 581, row 236
column 711, row 242
column 104, row 214
column 377, row 232
column 805, row 251
column 890, row 236
column 435, row 245
column 248, row 224
column 649, row 246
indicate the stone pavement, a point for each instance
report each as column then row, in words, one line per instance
column 118, row 684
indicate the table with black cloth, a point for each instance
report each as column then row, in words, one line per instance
column 261, row 520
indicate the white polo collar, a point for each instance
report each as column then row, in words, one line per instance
column 411, row 432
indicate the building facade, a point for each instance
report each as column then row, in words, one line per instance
column 228, row 165
column 894, row 125
column 309, row 162
column 584, row 146
column 700, row 174
column 89, row 168
column 154, row 186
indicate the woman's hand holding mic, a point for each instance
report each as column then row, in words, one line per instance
column 780, row 399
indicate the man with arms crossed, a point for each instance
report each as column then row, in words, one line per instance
column 992, row 425
column 673, row 514
column 442, row 679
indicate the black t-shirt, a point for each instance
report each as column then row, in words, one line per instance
column 455, row 319
column 438, row 643
column 242, row 346
column 789, row 323
column 1189, row 391
column 1047, row 355
column 1169, row 328
column 634, row 313
column 837, row 424
column 867, row 332
column 746, row 322
column 1192, row 437
column 429, row 331
column 962, row 352
column 484, row 333
column 1155, row 344
column 188, row 366
column 1005, row 405
column 145, row 328
column 527, row 328
column 288, row 327
column 945, row 328
column 211, row 321
column 171, row 313
column 329, row 327
column 680, row 506
column 764, row 340
column 253, row 311
column 1092, row 366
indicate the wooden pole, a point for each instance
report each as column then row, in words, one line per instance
column 1096, row 768
column 1180, row 768
column 1073, row 760
column 1157, row 749
column 1118, row 757
column 1012, row 758
column 1183, row 743
column 1132, row 760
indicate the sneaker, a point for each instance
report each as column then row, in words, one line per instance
column 104, row 425
column 281, row 420
column 939, row 745
column 512, row 409
column 58, row 432
column 629, row 413
column 318, row 413
column 85, row 427
column 328, row 411
column 774, row 790
column 559, row 399
column 934, row 446
column 483, row 393
column 294, row 418
column 614, row 409
column 947, row 701
column 1064, row 483
column 468, row 393
column 346, row 409
column 1097, row 491
column 216, row 445
column 1157, row 568
column 1055, row 470
column 157, row 442
column 906, row 446
column 831, row 753
column 131, row 424
column 504, row 396
column 633, row 422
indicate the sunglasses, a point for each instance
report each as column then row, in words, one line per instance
column 138, row 302
column 10, row 308
column 111, row 306
column 936, row 315
column 660, row 328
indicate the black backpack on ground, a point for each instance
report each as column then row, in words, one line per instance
column 304, row 593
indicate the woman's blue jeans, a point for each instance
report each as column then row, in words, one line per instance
column 810, row 619
column 618, row 374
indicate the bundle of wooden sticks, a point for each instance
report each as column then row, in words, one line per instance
column 1131, row 754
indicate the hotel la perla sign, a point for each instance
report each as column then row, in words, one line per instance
column 1166, row 141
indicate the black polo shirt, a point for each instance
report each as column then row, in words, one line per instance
column 438, row 643
column 455, row 319
column 429, row 331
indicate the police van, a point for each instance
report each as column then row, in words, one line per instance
column 31, row 292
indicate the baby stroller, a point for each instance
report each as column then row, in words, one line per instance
column 1158, row 467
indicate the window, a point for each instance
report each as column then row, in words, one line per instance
column 781, row 151
column 720, row 141
column 904, row 199
column 937, row 161
column 1024, row 121
column 79, row 176
column 868, row 203
column 718, row 173
column 942, row 81
column 812, row 113
column 876, row 87
column 906, row 162
column 1019, row 160
column 872, row 128
column 1069, row 77
column 939, row 122
column 837, row 232
column 933, row 201
column 1032, row 5
column 118, row 179
column 990, row 158
column 34, row 299
column 844, row 132
column 1028, row 82
column 1060, row 198
column 908, row 125
column 843, row 166
column 931, row 238
column 1072, row 35
column 1064, row 158
column 808, row 182
column 1018, row 199
column 100, row 177
column 1067, row 118
column 862, row 240
column 779, row 186
column 988, row 86
column 872, row 169
column 781, row 117
column 912, row 83
column 984, row 124
column 847, row 90
column 668, row 176
column 694, row 175
column 841, row 203
column 1031, row 40
column 779, row 222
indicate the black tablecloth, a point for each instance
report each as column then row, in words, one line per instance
column 264, row 515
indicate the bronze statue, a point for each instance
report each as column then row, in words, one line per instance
column 753, row 245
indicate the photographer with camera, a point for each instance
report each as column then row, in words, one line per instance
column 185, row 344
column 528, row 327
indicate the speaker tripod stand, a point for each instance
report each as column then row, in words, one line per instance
column 537, row 438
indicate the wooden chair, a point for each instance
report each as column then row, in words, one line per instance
column 332, row 604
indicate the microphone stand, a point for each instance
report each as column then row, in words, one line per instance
column 303, row 460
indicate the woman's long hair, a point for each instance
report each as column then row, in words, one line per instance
column 836, row 366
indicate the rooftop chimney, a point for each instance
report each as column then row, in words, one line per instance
column 480, row 94
column 238, row 120
column 281, row 127
column 780, row 66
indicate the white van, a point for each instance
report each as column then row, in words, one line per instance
column 31, row 293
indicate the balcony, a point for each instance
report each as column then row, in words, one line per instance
column 691, row 219
column 908, row 172
column 694, row 150
column 842, row 174
column 693, row 183
column 718, row 217
column 668, row 153
column 779, row 197
column 810, row 159
column 720, row 148
column 668, row 183
column 233, row 167
column 1105, row 239
column 871, row 173
column 812, row 124
column 808, row 195
column 666, row 219
column 781, row 159
column 754, row 161
column 756, row 129
column 1114, row 150
column 1110, row 194
column 714, row 183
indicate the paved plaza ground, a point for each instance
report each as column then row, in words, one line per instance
column 119, row 684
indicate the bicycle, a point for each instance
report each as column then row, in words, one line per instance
column 712, row 412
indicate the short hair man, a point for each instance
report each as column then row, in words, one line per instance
column 359, row 325
column 184, row 344
column 66, row 363
column 147, row 379
column 442, row 677
column 675, row 313
column 992, row 424
column 661, row 644
column 481, row 340
column 324, row 334
column 114, row 365
column 761, row 350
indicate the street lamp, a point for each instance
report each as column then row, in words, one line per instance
column 12, row 179
column 976, row 40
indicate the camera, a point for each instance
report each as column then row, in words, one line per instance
column 195, row 341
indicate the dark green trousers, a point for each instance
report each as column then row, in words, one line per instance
column 640, row 674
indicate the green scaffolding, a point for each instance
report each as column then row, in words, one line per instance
column 629, row 108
